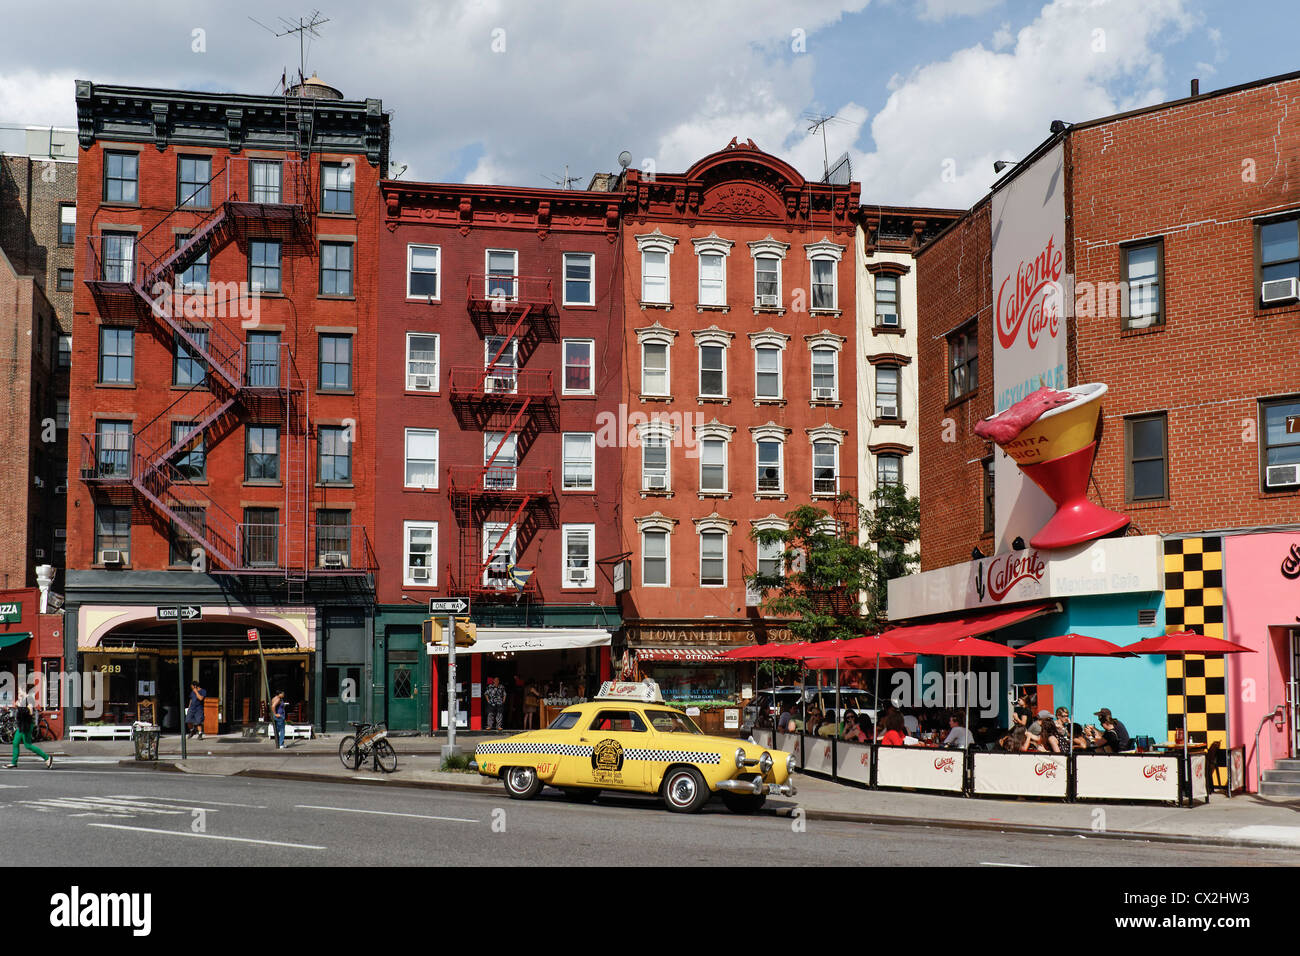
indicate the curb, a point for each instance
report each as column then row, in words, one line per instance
column 157, row 766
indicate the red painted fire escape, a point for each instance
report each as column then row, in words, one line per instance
column 140, row 283
column 500, row 506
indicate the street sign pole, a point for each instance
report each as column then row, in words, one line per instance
column 453, row 702
column 180, row 677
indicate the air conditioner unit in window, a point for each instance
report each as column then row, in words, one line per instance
column 577, row 575
column 422, row 381
column 419, row 574
column 768, row 301
column 886, row 411
column 333, row 559
column 824, row 394
column 1279, row 290
column 888, row 318
column 500, row 383
column 656, row 482
column 110, row 557
column 1280, row 476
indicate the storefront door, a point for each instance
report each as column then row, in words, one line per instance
column 343, row 695
column 1293, row 692
column 403, row 691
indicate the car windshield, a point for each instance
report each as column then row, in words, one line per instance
column 669, row 722
column 564, row 721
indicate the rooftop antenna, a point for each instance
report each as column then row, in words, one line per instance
column 304, row 28
column 565, row 181
column 819, row 122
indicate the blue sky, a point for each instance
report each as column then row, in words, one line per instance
column 927, row 92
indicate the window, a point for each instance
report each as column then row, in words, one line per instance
column 121, row 177
column 767, row 281
column 182, row 544
column 64, row 283
column 264, row 265
column 1279, row 250
column 261, row 537
column 194, row 174
column 618, row 721
column 501, row 459
column 501, row 361
column 887, row 301
column 713, row 559
column 654, row 276
column 963, row 362
column 502, row 274
column 264, row 359
column 577, row 366
column 190, row 460
column 654, row 368
column 65, row 351
column 713, row 371
column 889, row 470
column 265, row 176
column 1143, row 270
column 886, row 391
column 336, row 187
column 823, row 284
column 421, row 362
column 767, row 372
column 654, row 463
column 1146, row 449
column 188, row 367
column 333, row 536
column 825, row 468
column 989, row 496
column 61, row 413
column 421, row 553
column 654, row 558
column 769, row 466
column 579, row 284
column 261, row 453
column 335, row 362
column 498, row 554
column 116, row 356
column 119, row 257
column 195, row 277
column 579, row 547
column 713, row 279
column 825, row 375
column 335, row 268
column 713, row 466
column 113, row 531
column 579, row 461
column 769, row 559
column 67, row 225
column 421, row 458
column 335, row 466
column 422, row 271
column 1281, row 445
column 113, row 445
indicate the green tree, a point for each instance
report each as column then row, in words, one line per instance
column 832, row 576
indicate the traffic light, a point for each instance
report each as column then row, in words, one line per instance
column 432, row 631
column 466, row 633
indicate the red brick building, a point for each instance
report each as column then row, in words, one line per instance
column 504, row 307
column 223, row 398
column 31, row 643
column 740, row 392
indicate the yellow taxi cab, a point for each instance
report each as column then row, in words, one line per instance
column 628, row 740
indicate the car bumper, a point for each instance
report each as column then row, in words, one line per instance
column 757, row 787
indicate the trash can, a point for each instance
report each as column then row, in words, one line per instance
column 145, row 738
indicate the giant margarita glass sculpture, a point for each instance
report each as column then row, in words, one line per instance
column 1052, row 435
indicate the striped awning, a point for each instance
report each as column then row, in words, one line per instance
column 681, row 654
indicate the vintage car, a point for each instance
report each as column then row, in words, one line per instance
column 628, row 740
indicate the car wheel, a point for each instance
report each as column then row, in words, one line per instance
column 684, row 790
column 581, row 795
column 522, row 783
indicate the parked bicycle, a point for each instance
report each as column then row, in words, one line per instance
column 370, row 740
column 41, row 729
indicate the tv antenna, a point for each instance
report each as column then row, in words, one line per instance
column 304, row 28
column 819, row 122
column 563, row 182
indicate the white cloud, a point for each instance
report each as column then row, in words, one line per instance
column 939, row 10
column 31, row 98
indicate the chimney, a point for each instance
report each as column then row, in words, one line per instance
column 1196, row 87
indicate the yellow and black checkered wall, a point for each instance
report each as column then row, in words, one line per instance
column 1194, row 602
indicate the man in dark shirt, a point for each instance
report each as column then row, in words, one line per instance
column 1114, row 736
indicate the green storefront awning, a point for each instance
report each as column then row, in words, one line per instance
column 16, row 637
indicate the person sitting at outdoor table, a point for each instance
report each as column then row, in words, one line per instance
column 1113, row 738
column 853, row 731
column 1039, row 738
column 894, row 730
column 1064, row 729
column 1021, row 713
column 911, row 723
column 958, row 735
column 813, row 720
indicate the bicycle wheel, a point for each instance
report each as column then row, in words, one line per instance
column 349, row 753
column 385, row 756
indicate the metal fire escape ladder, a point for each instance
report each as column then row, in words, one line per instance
column 511, row 336
column 297, row 434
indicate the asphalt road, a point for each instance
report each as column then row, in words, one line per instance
column 88, row 812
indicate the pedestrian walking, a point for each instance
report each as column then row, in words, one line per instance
column 496, row 701
column 25, row 718
column 532, row 701
column 279, row 712
column 194, row 710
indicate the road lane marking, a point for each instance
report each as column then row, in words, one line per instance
column 385, row 813
column 1026, row 866
column 203, row 803
column 207, row 836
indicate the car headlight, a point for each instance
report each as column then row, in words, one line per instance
column 789, row 763
column 740, row 758
column 765, row 763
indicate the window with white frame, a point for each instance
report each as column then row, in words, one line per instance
column 579, row 281
column 771, row 477
column 654, row 557
column 501, row 460
column 578, row 354
column 421, row 458
column 713, row 279
column 887, row 391
column 825, row 374
column 824, row 287
column 579, row 461
column 767, row 281
column 713, row 466
column 423, row 268
column 501, row 363
column 769, row 559
column 767, row 372
column 502, row 274
column 654, row 462
column 654, row 368
column 498, row 554
column 421, row 549
column 421, row 362
column 887, row 301
column 713, row 559
column 579, row 543
column 825, row 467
column 656, row 249
column 889, row 470
column 713, row 371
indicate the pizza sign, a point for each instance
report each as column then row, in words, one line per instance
column 11, row 613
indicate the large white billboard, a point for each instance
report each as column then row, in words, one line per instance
column 1029, row 322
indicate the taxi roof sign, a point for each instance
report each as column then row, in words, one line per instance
column 646, row 692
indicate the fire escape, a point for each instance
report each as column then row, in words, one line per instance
column 145, row 283
column 500, row 506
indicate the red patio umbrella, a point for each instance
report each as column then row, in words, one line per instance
column 969, row 647
column 761, row 652
column 1072, row 646
column 880, row 646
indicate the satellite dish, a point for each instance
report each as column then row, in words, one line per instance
column 625, row 159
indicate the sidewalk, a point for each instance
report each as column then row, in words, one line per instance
column 1244, row 820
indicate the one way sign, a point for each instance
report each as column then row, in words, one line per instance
column 448, row 606
column 186, row 612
